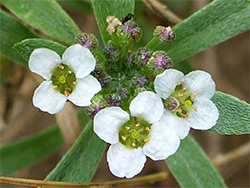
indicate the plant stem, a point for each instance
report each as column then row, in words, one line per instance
column 153, row 43
column 99, row 56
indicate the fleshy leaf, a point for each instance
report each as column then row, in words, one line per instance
column 80, row 162
column 28, row 151
column 215, row 23
column 12, row 31
column 103, row 9
column 26, row 47
column 192, row 168
column 46, row 16
column 234, row 115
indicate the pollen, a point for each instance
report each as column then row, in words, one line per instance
column 127, row 128
column 69, row 72
column 55, row 86
column 186, row 116
column 147, row 129
column 73, row 83
column 137, row 125
column 61, row 67
column 184, row 90
column 192, row 96
column 196, row 109
column 124, row 138
column 133, row 144
column 145, row 140
column 66, row 93
column 180, row 95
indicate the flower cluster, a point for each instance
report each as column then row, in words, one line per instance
column 139, row 103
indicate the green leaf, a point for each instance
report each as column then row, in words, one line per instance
column 234, row 115
column 103, row 9
column 80, row 162
column 46, row 16
column 26, row 47
column 28, row 151
column 215, row 23
column 12, row 31
column 192, row 168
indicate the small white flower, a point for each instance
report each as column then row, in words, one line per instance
column 187, row 100
column 64, row 79
column 134, row 137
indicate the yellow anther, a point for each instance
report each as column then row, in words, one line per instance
column 180, row 95
column 66, row 93
column 124, row 138
column 137, row 125
column 73, row 83
column 61, row 67
column 188, row 103
column 179, row 110
column 186, row 116
column 133, row 144
column 145, row 140
column 147, row 129
column 184, row 90
column 196, row 109
column 70, row 72
column 55, row 86
column 192, row 96
column 127, row 128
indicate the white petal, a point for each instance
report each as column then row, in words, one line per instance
column 80, row 59
column 148, row 105
column 124, row 162
column 200, row 83
column 166, row 82
column 47, row 99
column 206, row 116
column 85, row 89
column 176, row 125
column 107, row 123
column 162, row 142
column 42, row 62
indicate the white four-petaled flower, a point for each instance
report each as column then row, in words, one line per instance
column 64, row 79
column 135, row 136
column 187, row 100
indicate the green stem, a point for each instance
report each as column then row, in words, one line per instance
column 99, row 56
column 153, row 43
column 125, row 51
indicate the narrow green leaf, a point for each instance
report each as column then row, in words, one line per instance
column 234, row 115
column 46, row 16
column 26, row 47
column 80, row 162
column 103, row 9
column 12, row 31
column 192, row 168
column 28, row 151
column 215, row 23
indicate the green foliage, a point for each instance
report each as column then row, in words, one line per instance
column 234, row 115
column 192, row 168
column 208, row 27
column 12, row 31
column 103, row 9
column 26, row 47
column 80, row 162
column 28, row 151
column 46, row 16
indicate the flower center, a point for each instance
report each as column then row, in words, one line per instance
column 63, row 79
column 180, row 102
column 135, row 133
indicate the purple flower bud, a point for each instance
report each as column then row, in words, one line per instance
column 87, row 40
column 172, row 104
column 123, row 92
column 140, row 81
column 165, row 34
column 142, row 56
column 129, row 32
column 159, row 62
column 113, row 100
column 112, row 52
column 98, row 103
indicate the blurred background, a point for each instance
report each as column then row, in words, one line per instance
column 228, row 63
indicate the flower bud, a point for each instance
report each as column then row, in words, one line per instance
column 129, row 32
column 98, row 103
column 159, row 62
column 112, row 52
column 114, row 100
column 165, row 34
column 142, row 56
column 87, row 40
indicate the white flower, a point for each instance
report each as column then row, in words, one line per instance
column 134, row 137
column 64, row 79
column 187, row 100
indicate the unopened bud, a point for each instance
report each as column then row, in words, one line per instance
column 87, row 40
column 98, row 103
column 112, row 52
column 142, row 56
column 159, row 62
column 165, row 34
column 114, row 100
column 129, row 32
